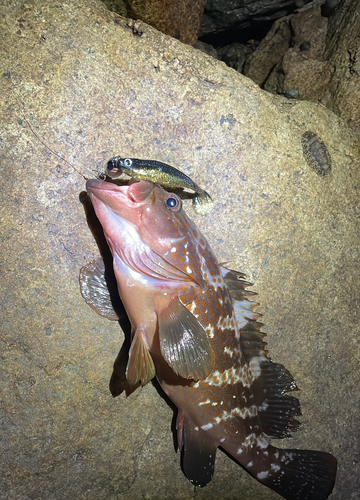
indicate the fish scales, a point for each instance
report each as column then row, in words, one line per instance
column 194, row 328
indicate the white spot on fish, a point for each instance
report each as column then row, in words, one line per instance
column 262, row 442
column 231, row 376
column 249, row 442
column 192, row 307
column 275, row 467
column 255, row 366
column 196, row 428
column 207, row 402
column 222, row 440
column 250, row 464
column 262, row 475
column 210, row 330
column 228, row 351
column 173, row 250
column 240, row 450
column 276, row 455
column 237, row 412
column 188, row 270
column 206, row 427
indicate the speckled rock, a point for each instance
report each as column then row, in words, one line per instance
column 76, row 81
column 178, row 18
column 342, row 95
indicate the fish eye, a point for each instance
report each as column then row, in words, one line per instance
column 174, row 203
column 127, row 162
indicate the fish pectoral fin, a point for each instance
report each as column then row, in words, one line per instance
column 140, row 367
column 184, row 343
column 197, row 451
column 99, row 290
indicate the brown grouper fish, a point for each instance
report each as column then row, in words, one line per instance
column 194, row 328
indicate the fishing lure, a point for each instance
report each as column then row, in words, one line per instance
column 162, row 173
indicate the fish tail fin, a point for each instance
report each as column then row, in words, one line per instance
column 300, row 474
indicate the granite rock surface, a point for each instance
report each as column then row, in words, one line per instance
column 78, row 87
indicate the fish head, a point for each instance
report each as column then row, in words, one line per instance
column 145, row 218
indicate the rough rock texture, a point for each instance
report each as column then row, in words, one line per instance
column 342, row 95
column 291, row 56
column 77, row 77
column 269, row 52
column 178, row 18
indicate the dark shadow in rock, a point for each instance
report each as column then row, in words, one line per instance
column 174, row 409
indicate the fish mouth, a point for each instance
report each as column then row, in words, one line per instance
column 131, row 195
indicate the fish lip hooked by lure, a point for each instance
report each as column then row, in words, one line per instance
column 125, row 193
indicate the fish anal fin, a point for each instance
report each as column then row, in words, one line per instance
column 99, row 293
column 184, row 343
column 140, row 367
column 301, row 474
column 197, row 452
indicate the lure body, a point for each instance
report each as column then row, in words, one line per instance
column 163, row 174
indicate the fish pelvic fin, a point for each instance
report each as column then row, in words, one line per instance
column 140, row 367
column 184, row 343
column 300, row 474
column 197, row 451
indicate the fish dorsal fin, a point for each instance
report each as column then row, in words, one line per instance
column 140, row 367
column 271, row 380
column 184, row 343
column 100, row 294
column 198, row 451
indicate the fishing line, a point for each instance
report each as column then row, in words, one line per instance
column 42, row 141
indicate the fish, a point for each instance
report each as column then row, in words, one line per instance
column 163, row 174
column 195, row 328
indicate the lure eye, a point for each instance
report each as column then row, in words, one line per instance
column 111, row 164
column 127, row 162
column 173, row 203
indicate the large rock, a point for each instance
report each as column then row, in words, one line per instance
column 77, row 81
